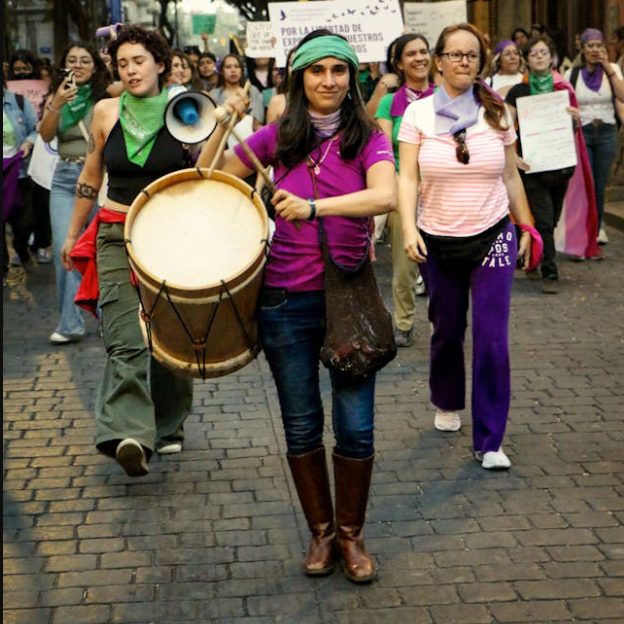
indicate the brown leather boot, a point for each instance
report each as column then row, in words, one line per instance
column 352, row 478
column 309, row 473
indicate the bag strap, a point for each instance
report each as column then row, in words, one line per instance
column 574, row 76
column 19, row 98
column 83, row 129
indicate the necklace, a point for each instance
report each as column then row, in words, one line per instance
column 318, row 163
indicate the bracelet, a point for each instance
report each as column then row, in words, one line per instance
column 312, row 209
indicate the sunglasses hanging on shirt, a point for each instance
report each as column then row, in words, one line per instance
column 461, row 151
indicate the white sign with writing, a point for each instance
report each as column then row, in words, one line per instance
column 431, row 18
column 369, row 25
column 259, row 40
column 546, row 131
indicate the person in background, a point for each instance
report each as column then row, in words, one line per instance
column 192, row 54
column 277, row 104
column 207, row 68
column 600, row 91
column 546, row 190
column 368, row 77
column 389, row 84
column 82, row 81
column 140, row 405
column 44, row 67
column 413, row 67
column 23, row 66
column 537, row 30
column 520, row 37
column 506, row 67
column 618, row 43
column 331, row 162
column 231, row 78
column 457, row 183
column 19, row 121
column 260, row 74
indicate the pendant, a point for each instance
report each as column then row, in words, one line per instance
column 317, row 169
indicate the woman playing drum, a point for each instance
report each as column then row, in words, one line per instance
column 140, row 405
column 331, row 162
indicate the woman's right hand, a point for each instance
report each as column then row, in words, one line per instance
column 235, row 104
column 65, row 93
column 414, row 246
column 70, row 241
column 523, row 165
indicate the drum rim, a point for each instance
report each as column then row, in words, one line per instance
column 185, row 175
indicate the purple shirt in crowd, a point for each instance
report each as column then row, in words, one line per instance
column 296, row 261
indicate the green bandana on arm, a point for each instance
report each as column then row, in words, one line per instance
column 141, row 119
column 73, row 112
column 322, row 47
column 541, row 84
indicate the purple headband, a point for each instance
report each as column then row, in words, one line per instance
column 501, row 45
column 590, row 34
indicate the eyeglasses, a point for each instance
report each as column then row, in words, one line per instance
column 510, row 53
column 456, row 56
column 83, row 62
column 538, row 53
column 461, row 152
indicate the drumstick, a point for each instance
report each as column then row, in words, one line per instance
column 220, row 114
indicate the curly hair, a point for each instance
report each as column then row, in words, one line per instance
column 152, row 41
column 100, row 79
column 493, row 106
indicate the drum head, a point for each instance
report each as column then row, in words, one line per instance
column 197, row 232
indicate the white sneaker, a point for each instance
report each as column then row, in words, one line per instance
column 603, row 239
column 131, row 457
column 43, row 256
column 421, row 289
column 493, row 460
column 447, row 421
column 58, row 338
column 168, row 448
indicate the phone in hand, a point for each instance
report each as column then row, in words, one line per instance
column 69, row 75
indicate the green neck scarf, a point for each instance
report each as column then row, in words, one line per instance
column 75, row 111
column 141, row 119
column 541, row 84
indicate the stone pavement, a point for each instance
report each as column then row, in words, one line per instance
column 214, row 534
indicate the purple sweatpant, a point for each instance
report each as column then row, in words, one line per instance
column 489, row 285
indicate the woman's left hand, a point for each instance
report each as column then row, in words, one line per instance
column 289, row 206
column 524, row 249
column 576, row 114
column 26, row 147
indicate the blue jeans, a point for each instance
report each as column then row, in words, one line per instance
column 601, row 144
column 62, row 196
column 292, row 328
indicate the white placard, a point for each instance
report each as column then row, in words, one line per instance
column 546, row 131
column 43, row 162
column 369, row 26
column 259, row 40
column 431, row 18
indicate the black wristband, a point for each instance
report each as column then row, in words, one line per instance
column 312, row 209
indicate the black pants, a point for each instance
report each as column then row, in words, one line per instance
column 41, row 217
column 545, row 197
column 21, row 221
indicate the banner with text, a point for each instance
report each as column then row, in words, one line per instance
column 370, row 27
column 34, row 90
column 431, row 18
column 260, row 40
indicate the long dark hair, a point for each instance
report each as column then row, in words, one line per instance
column 251, row 73
column 493, row 106
column 239, row 60
column 26, row 56
column 100, row 79
column 399, row 46
column 296, row 135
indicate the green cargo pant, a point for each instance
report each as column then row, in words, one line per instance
column 138, row 398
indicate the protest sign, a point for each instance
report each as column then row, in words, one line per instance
column 431, row 18
column 34, row 90
column 370, row 27
column 203, row 23
column 259, row 40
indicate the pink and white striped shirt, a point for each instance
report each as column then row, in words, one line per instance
column 457, row 199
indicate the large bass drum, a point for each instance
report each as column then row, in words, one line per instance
column 197, row 245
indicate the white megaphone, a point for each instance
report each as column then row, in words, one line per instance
column 189, row 116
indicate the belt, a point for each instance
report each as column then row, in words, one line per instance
column 80, row 160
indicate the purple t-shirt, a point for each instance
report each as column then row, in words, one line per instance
column 296, row 261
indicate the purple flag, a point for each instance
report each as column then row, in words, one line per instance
column 10, row 187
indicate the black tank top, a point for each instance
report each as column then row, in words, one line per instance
column 125, row 179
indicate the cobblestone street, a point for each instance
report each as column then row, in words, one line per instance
column 215, row 533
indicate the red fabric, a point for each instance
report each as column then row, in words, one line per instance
column 83, row 256
column 537, row 246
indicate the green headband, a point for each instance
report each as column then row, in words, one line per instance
column 322, row 47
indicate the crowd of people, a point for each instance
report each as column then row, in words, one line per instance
column 429, row 139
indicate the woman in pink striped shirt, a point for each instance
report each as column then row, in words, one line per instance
column 457, row 184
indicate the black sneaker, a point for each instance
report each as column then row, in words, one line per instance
column 403, row 338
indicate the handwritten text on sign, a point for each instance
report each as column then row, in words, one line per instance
column 370, row 27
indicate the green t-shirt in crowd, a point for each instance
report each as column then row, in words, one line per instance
column 383, row 112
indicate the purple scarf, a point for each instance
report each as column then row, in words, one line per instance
column 405, row 96
column 10, row 186
column 454, row 114
column 593, row 80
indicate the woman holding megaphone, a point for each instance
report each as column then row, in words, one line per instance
column 140, row 405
